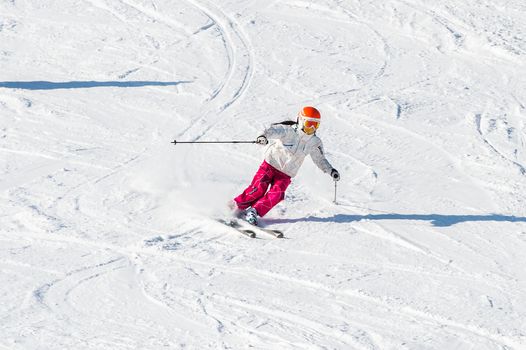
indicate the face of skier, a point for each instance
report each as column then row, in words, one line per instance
column 310, row 126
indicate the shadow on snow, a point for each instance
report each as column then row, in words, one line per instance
column 435, row 219
column 49, row 85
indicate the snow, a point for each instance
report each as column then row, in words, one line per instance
column 108, row 238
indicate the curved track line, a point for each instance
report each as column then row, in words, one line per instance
column 403, row 310
column 304, row 323
column 239, row 72
column 477, row 121
column 241, row 68
column 232, row 88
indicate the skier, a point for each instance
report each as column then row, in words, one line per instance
column 292, row 141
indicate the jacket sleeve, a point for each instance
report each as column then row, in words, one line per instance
column 276, row 132
column 318, row 157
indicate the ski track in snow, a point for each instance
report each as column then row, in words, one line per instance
column 239, row 70
column 290, row 318
column 104, row 243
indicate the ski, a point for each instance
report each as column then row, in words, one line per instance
column 275, row 233
column 272, row 232
column 249, row 230
column 238, row 227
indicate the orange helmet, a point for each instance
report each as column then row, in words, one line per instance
column 309, row 119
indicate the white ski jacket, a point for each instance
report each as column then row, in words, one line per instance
column 288, row 148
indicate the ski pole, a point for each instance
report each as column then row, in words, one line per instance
column 335, row 186
column 175, row 142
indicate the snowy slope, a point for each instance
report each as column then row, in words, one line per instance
column 107, row 237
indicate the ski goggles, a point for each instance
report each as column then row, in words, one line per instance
column 311, row 124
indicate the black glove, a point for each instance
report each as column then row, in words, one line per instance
column 261, row 140
column 335, row 175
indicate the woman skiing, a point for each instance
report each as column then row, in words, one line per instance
column 293, row 141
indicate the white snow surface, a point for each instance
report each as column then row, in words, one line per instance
column 107, row 230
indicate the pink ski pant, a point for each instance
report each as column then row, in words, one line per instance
column 256, row 195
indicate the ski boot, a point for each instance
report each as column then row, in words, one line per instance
column 251, row 216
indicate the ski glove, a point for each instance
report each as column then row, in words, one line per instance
column 335, row 175
column 261, row 140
